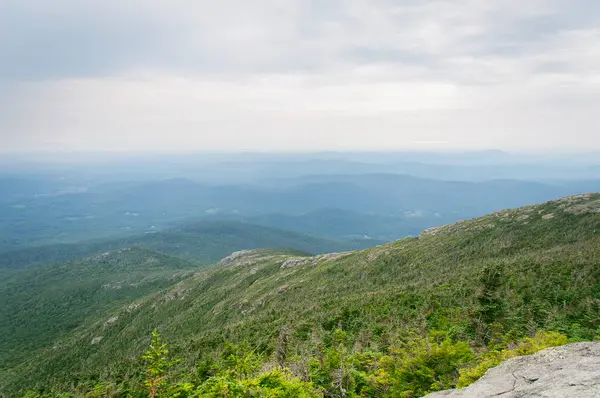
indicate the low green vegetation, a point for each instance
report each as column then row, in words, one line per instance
column 399, row 320
column 41, row 304
column 411, row 368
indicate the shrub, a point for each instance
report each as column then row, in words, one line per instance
column 419, row 366
column 277, row 383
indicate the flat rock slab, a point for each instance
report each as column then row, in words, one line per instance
column 572, row 370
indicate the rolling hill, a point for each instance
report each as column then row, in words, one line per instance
column 404, row 202
column 204, row 242
column 40, row 305
column 418, row 315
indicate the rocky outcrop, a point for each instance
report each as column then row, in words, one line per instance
column 235, row 256
column 315, row 260
column 572, row 370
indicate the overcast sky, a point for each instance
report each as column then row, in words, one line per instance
column 299, row 74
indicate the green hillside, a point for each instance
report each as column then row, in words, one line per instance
column 39, row 305
column 204, row 242
column 398, row 320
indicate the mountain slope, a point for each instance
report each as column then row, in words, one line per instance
column 39, row 305
column 205, row 242
column 488, row 282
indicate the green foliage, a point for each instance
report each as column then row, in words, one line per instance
column 105, row 390
column 54, row 300
column 274, row 383
column 157, row 364
column 489, row 300
column 418, row 365
column 413, row 366
column 239, row 361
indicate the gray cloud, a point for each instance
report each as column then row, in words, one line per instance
column 65, row 38
column 145, row 74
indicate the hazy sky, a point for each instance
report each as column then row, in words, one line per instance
column 299, row 74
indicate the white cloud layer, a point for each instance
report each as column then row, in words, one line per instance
column 299, row 75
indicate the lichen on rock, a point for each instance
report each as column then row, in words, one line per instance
column 572, row 370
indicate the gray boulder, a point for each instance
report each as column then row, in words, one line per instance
column 572, row 370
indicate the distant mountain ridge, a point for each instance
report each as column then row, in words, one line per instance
column 405, row 203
